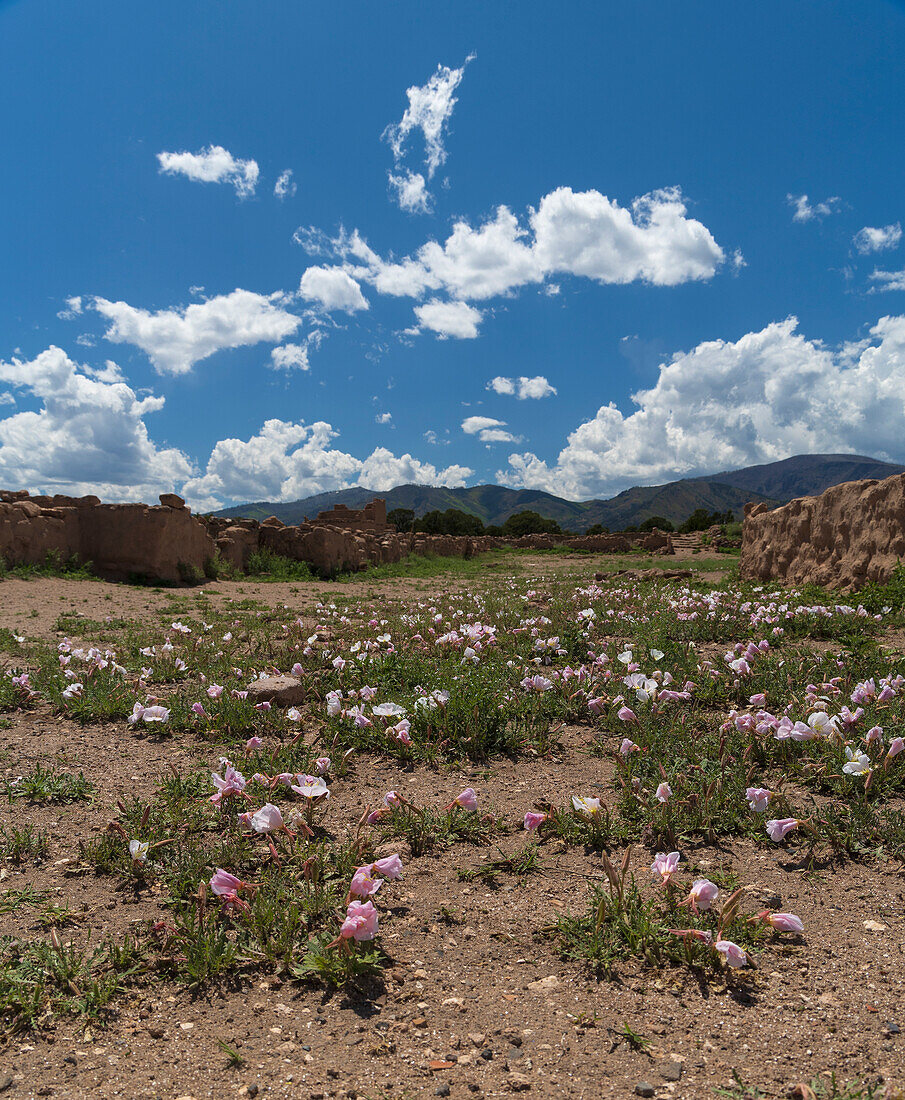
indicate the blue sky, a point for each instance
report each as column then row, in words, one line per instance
column 572, row 247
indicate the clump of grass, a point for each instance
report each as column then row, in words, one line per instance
column 21, row 842
column 45, row 785
column 53, row 565
column 264, row 565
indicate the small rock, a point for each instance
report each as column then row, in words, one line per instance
column 874, row 926
column 644, row 1088
column 892, row 1028
column 476, row 1038
column 519, row 1082
column 544, row 985
column 6, row 1083
column 487, row 1054
column 442, row 1090
column 253, row 1091
column 671, row 1071
column 285, row 691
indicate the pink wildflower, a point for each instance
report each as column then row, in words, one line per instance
column 230, row 783
column 758, row 798
column 703, row 894
column 626, row 714
column 364, row 884
column 360, row 923
column 785, row 922
column 732, row 954
column 267, row 820
column 779, row 827
column 224, row 884
column 467, row 800
column 390, row 866
column 628, row 746
column 664, row 792
column 253, row 743
column 665, row 865
column 692, row 934
column 896, row 745
column 534, row 821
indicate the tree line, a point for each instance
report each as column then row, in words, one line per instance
column 456, row 522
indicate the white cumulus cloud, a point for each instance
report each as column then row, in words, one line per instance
column 212, row 165
column 522, row 388
column 803, row 211
column 285, row 186
column 429, row 110
column 584, row 234
column 88, row 436
column 488, row 430
column 888, row 280
column 877, row 238
column 73, row 308
column 332, row 288
column 290, row 357
column 175, row 339
column 471, row 425
column 411, row 191
column 456, row 319
column 287, row 461
column 727, row 404
column 430, row 107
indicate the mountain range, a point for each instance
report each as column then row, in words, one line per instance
column 773, row 483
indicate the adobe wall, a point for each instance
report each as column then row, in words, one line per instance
column 851, row 534
column 168, row 543
column 120, row 540
column 372, row 519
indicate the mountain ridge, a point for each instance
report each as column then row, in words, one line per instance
column 773, row 483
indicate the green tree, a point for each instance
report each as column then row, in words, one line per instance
column 530, row 523
column 700, row 519
column 403, row 519
column 597, row 529
column 451, row 522
column 658, row 522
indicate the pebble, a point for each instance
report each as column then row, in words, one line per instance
column 442, row 1090
column 519, row 1082
column 672, row 1071
column 644, row 1088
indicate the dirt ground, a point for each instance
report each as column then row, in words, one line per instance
column 477, row 1002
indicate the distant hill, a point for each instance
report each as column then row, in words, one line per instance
column 806, row 475
column 773, row 483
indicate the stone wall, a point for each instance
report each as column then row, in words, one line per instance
column 849, row 535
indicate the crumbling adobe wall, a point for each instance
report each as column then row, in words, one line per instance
column 168, row 543
column 851, row 534
column 120, row 540
column 372, row 519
